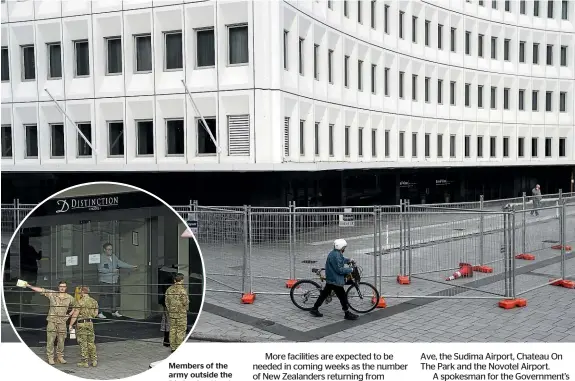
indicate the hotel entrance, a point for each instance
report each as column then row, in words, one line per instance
column 64, row 239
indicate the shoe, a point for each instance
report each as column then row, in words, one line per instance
column 83, row 365
column 60, row 360
column 315, row 312
column 94, row 363
column 350, row 316
column 101, row 316
column 117, row 314
column 51, row 361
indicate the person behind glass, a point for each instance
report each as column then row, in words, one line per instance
column 29, row 258
column 108, row 277
column 335, row 273
column 177, row 303
column 60, row 302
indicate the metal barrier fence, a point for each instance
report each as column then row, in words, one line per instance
column 406, row 250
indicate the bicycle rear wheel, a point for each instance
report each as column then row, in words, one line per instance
column 304, row 293
column 362, row 297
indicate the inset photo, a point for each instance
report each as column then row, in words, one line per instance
column 102, row 279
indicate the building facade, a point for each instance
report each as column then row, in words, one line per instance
column 320, row 94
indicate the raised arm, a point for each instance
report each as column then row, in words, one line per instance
column 40, row 290
column 124, row 265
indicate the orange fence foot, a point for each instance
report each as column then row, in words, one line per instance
column 527, row 257
column 512, row 303
column 248, row 298
column 558, row 247
column 564, row 283
column 521, row 302
column 483, row 269
column 290, row 283
column 402, row 279
column 381, row 302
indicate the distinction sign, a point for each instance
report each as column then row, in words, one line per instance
column 96, row 203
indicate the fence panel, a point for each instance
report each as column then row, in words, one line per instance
column 538, row 239
column 317, row 228
column 569, row 229
column 223, row 239
column 439, row 243
column 270, row 250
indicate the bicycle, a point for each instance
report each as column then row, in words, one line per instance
column 353, row 292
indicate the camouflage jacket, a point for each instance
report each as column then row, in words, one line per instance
column 177, row 300
column 87, row 307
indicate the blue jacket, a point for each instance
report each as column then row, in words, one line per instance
column 335, row 270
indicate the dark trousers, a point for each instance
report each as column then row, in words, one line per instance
column 339, row 291
column 109, row 297
column 30, row 277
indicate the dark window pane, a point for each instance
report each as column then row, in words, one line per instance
column 83, row 147
column 238, row 45
column 116, row 138
column 82, row 58
column 5, row 65
column 143, row 53
column 175, row 137
column 114, row 56
column 205, row 144
column 31, row 137
column 174, row 57
column 57, row 141
column 145, row 131
column 55, row 61
column 29, row 63
column 6, row 141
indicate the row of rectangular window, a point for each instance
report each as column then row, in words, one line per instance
column 373, row 13
column 401, row 143
column 493, row 95
column 360, row 63
column 238, row 133
column 238, row 53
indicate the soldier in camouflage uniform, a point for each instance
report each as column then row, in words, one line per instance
column 85, row 309
column 177, row 302
column 60, row 302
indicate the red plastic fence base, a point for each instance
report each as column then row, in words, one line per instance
column 563, row 283
column 290, row 283
column 402, row 279
column 248, row 298
column 509, row 304
column 483, row 269
column 381, row 302
column 526, row 257
column 558, row 247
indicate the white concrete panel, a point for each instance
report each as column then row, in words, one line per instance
column 268, row 92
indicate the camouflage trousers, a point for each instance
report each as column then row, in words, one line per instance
column 178, row 325
column 86, row 340
column 55, row 332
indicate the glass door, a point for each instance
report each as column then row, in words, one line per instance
column 134, row 249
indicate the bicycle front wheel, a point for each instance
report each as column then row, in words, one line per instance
column 362, row 297
column 304, row 294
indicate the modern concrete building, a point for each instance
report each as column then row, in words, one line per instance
column 314, row 101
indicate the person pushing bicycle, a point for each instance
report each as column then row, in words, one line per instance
column 335, row 274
